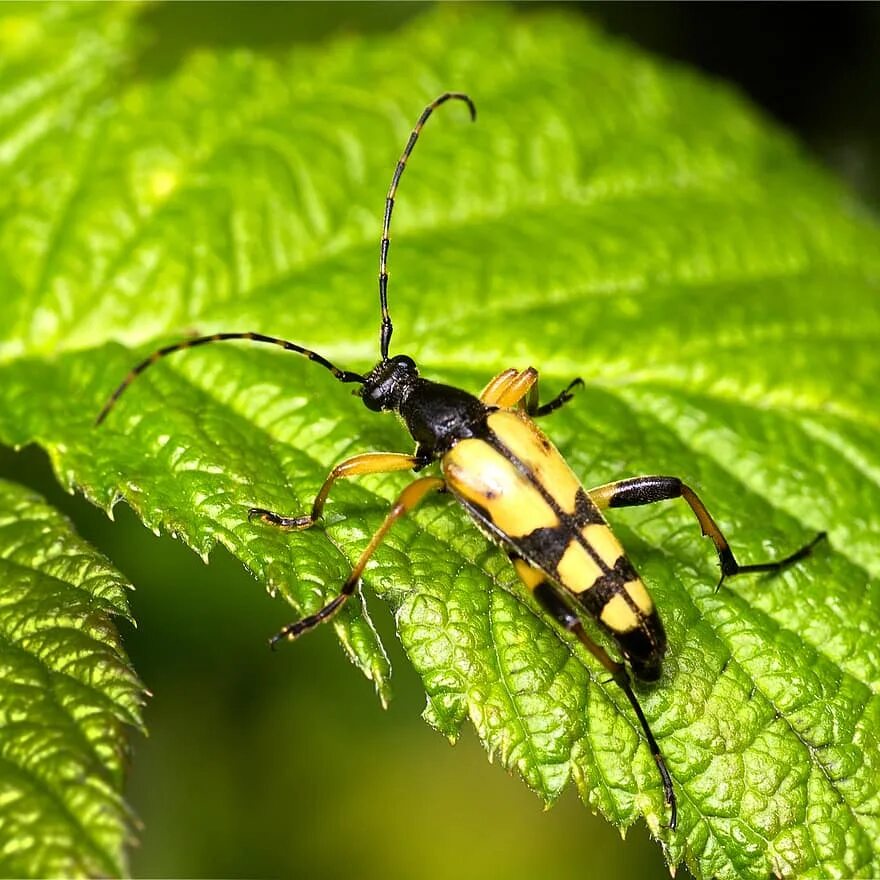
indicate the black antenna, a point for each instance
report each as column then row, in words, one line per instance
column 341, row 375
column 387, row 329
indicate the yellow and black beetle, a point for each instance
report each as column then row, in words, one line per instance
column 515, row 485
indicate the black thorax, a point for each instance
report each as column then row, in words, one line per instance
column 437, row 416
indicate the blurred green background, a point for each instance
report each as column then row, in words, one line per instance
column 363, row 790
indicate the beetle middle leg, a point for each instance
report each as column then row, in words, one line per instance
column 512, row 387
column 555, row 605
column 366, row 463
column 411, row 496
column 637, row 491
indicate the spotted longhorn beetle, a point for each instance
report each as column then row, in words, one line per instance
column 514, row 484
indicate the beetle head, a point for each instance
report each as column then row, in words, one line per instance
column 388, row 383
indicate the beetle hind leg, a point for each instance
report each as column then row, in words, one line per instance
column 548, row 597
column 638, row 491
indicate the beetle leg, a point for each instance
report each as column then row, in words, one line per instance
column 646, row 490
column 512, row 387
column 555, row 605
column 536, row 411
column 489, row 395
column 367, row 463
column 407, row 500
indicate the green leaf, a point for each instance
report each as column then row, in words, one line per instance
column 608, row 216
column 67, row 693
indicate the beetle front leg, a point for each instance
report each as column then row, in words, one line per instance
column 536, row 411
column 366, row 463
column 512, row 387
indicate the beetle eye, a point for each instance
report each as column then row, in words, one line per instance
column 405, row 361
column 373, row 399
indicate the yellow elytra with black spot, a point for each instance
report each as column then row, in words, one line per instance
column 512, row 481
column 521, row 492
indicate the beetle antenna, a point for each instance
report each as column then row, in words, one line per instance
column 341, row 375
column 387, row 329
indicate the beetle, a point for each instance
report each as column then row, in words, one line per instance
column 515, row 485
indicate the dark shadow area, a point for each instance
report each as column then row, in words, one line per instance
column 814, row 67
